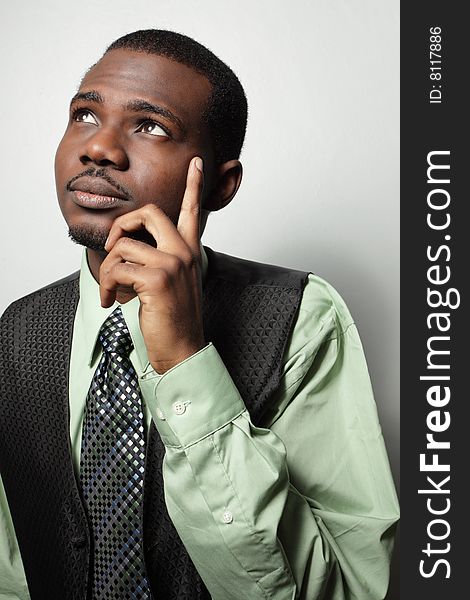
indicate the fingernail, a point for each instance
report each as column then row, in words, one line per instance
column 198, row 164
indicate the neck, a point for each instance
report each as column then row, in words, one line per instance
column 95, row 258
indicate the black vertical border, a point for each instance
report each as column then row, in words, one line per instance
column 427, row 127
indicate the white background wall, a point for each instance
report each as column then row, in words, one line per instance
column 321, row 183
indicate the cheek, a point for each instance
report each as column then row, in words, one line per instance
column 165, row 185
column 62, row 157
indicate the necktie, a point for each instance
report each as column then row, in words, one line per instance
column 112, row 468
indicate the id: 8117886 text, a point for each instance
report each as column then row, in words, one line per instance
column 435, row 65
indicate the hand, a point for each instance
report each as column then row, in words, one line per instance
column 167, row 278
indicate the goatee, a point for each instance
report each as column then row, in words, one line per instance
column 95, row 239
column 88, row 236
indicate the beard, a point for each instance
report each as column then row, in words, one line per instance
column 95, row 239
column 88, row 236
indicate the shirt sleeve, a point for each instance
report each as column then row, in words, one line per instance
column 303, row 507
column 13, row 584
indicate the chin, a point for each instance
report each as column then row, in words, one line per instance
column 91, row 237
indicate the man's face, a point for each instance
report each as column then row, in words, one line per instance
column 134, row 126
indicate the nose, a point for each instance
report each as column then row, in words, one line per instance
column 104, row 149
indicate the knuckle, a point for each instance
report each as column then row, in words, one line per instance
column 188, row 260
column 195, row 209
column 150, row 210
column 161, row 279
column 117, row 222
column 126, row 267
column 104, row 271
column 123, row 242
column 177, row 264
column 192, row 209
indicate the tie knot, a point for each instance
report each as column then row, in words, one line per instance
column 114, row 335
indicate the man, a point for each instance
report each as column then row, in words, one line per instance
column 177, row 423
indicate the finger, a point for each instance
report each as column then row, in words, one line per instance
column 152, row 219
column 134, row 253
column 189, row 217
column 107, row 292
column 120, row 274
column 129, row 250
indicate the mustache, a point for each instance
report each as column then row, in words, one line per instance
column 101, row 173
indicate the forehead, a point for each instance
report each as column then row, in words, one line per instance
column 123, row 75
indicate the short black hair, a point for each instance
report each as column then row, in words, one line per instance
column 227, row 109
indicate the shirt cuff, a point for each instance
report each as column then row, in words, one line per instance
column 193, row 399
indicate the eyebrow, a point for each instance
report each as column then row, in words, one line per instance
column 92, row 96
column 144, row 106
column 132, row 106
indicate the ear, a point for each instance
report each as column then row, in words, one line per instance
column 227, row 179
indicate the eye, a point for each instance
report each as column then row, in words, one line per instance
column 81, row 115
column 152, row 128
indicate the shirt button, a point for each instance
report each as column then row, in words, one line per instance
column 160, row 415
column 227, row 517
column 179, row 408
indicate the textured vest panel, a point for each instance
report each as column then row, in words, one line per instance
column 249, row 310
column 35, row 458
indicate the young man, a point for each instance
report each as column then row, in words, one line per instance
column 177, row 423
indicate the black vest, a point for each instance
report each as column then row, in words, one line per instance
column 249, row 310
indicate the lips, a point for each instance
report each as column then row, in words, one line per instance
column 96, row 193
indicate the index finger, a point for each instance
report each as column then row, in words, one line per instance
column 190, row 212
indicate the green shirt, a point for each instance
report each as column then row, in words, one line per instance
column 313, row 514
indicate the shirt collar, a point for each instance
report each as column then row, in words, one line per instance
column 91, row 315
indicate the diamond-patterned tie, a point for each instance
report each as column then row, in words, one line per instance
column 112, row 467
